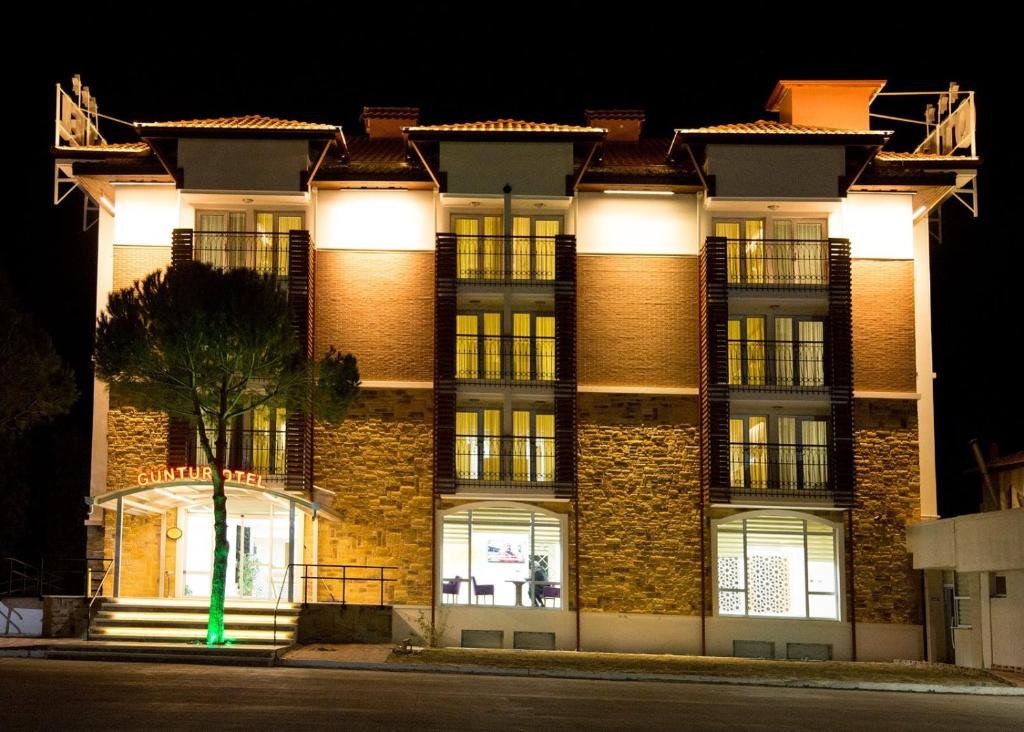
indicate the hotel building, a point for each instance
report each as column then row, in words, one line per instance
column 620, row 392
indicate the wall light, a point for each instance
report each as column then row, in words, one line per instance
column 107, row 204
column 627, row 192
column 920, row 210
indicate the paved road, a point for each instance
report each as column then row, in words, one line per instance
column 59, row 695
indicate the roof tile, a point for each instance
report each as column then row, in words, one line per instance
column 770, row 127
column 246, row 122
column 506, row 125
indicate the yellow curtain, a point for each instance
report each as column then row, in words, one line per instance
column 285, row 224
column 755, row 352
column 784, row 351
column 787, row 453
column 780, row 253
column 261, row 439
column 264, row 254
column 521, row 346
column 814, row 442
column 466, row 463
column 736, row 460
column 731, row 231
column 812, row 352
column 494, row 251
column 544, row 327
column 735, row 352
column 544, row 247
column 521, row 445
column 280, row 445
column 492, row 444
column 492, row 345
column 757, row 436
column 467, row 356
column 545, row 446
column 754, row 250
column 521, row 236
column 467, row 246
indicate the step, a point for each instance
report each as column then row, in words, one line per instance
column 184, row 606
column 236, row 655
column 188, row 635
column 121, row 617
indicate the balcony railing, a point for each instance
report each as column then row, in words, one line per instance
column 505, row 259
column 257, row 451
column 777, row 262
column 504, row 459
column 778, row 469
column 762, row 364
column 266, row 253
column 505, row 359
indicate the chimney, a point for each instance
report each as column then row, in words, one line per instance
column 837, row 104
column 623, row 125
column 387, row 122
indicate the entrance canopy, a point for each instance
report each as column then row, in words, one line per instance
column 157, row 498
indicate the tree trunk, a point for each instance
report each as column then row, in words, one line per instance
column 221, row 548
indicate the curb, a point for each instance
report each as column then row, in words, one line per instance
column 670, row 678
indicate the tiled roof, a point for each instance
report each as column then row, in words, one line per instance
column 769, row 127
column 391, row 112
column 129, row 148
column 507, row 125
column 382, row 151
column 646, row 152
column 615, row 114
column 885, row 156
column 246, row 122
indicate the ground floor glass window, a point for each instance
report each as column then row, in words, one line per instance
column 502, row 555
column 778, row 566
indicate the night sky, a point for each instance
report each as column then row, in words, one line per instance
column 157, row 62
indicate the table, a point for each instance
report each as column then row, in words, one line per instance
column 519, row 590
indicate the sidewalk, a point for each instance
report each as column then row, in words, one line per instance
column 910, row 677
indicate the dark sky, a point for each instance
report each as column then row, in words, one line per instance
column 323, row 62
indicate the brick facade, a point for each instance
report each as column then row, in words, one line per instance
column 135, row 262
column 378, row 306
column 883, row 325
column 639, row 502
column 637, row 320
column 378, row 464
column 888, row 497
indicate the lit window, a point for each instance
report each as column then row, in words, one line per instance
column 777, row 566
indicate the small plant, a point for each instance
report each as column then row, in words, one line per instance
column 432, row 634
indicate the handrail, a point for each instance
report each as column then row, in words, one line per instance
column 505, row 358
column 344, row 578
column 95, row 594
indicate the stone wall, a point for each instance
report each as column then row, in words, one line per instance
column 140, row 554
column 888, row 497
column 639, row 498
column 883, row 325
column 637, row 320
column 379, row 464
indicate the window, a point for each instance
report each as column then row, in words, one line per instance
column 795, row 254
column 794, row 355
column 484, row 451
column 786, row 453
column 227, row 239
column 484, row 352
column 515, row 550
column 783, row 566
column 533, row 347
column 255, row 441
column 478, row 346
column 482, row 252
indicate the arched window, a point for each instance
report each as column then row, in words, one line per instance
column 777, row 564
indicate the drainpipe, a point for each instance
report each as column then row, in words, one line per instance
column 852, row 584
column 576, row 572
column 703, row 584
column 433, row 558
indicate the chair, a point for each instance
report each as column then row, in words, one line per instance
column 452, row 588
column 482, row 590
column 550, row 592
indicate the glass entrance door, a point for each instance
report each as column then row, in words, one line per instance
column 258, row 557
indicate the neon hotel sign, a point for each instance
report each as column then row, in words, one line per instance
column 203, row 473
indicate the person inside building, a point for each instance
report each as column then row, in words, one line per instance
column 538, row 577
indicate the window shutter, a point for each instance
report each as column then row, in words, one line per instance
column 714, row 370
column 445, row 311
column 841, row 350
column 565, row 366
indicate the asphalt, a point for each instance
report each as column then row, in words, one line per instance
column 38, row 694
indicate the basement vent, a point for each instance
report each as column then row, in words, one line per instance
column 997, row 585
column 753, row 649
column 809, row 651
column 530, row 641
column 483, row 639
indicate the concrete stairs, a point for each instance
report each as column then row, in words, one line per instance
column 184, row 621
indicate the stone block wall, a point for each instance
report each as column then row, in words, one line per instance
column 135, row 262
column 639, row 499
column 379, row 465
column 888, row 497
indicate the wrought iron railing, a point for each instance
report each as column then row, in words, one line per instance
column 504, row 459
column 758, row 468
column 777, row 262
column 505, row 259
column 264, row 252
column 504, row 359
column 758, row 364
column 257, row 451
